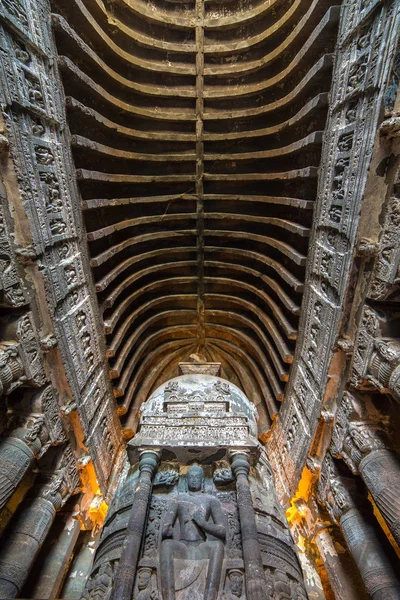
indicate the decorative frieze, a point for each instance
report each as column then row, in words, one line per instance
column 385, row 276
column 191, row 412
column 367, row 40
column 33, row 107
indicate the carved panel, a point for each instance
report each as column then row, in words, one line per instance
column 39, row 146
column 367, row 40
column 386, row 268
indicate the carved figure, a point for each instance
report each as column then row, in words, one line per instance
column 235, row 577
column 223, row 476
column 144, row 585
column 193, row 511
column 99, row 588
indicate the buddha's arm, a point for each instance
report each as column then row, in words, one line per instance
column 169, row 520
column 217, row 527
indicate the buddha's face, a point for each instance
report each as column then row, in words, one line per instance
column 195, row 477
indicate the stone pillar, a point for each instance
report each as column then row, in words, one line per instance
column 366, row 453
column 29, row 531
column 338, row 495
column 79, row 570
column 343, row 582
column 59, row 550
column 125, row 576
column 376, row 571
column 384, row 366
column 16, row 455
column 256, row 587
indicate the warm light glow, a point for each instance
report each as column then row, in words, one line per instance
column 298, row 505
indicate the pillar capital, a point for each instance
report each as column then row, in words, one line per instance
column 376, row 362
column 148, row 460
column 54, row 489
column 240, row 461
column 362, row 438
column 333, row 491
column 354, row 437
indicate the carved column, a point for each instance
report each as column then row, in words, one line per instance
column 11, row 367
column 256, row 587
column 342, row 581
column 359, row 532
column 376, row 359
column 384, row 366
column 365, row 450
column 29, row 531
column 16, row 455
column 124, row 579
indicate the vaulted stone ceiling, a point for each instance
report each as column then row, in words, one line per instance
column 196, row 131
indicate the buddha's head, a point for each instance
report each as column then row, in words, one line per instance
column 195, row 478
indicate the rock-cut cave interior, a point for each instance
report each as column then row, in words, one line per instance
column 199, row 299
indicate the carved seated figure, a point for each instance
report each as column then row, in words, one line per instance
column 202, row 534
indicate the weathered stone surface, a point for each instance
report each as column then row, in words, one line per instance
column 200, row 412
column 211, row 530
column 161, row 213
column 341, row 498
column 362, row 71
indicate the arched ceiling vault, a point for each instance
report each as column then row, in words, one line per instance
column 196, row 132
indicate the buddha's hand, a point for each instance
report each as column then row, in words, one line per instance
column 167, row 531
column 199, row 519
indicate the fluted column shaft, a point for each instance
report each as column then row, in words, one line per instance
column 342, row 582
column 341, row 496
column 375, row 569
column 367, row 452
column 16, row 456
column 380, row 471
column 15, row 459
column 125, row 577
column 256, row 588
column 20, row 550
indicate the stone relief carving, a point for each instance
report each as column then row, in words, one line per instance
column 376, row 360
column 145, row 591
column 223, row 476
column 100, row 586
column 332, row 492
column 11, row 284
column 35, row 122
column 359, row 83
column 207, row 416
column 192, row 545
column 386, row 268
column 199, row 516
